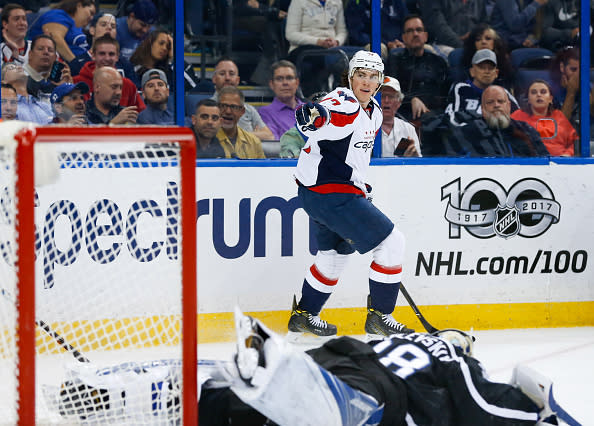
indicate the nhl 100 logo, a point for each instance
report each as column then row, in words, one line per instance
column 485, row 209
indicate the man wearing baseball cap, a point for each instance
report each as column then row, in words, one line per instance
column 399, row 137
column 466, row 95
column 132, row 29
column 156, row 94
column 68, row 103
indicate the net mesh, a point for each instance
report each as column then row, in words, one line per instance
column 108, row 286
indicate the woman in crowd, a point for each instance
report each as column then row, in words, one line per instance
column 556, row 131
column 484, row 37
column 156, row 51
column 65, row 23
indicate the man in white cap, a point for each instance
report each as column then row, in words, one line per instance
column 156, row 94
column 399, row 137
column 466, row 96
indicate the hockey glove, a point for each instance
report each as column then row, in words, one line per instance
column 311, row 116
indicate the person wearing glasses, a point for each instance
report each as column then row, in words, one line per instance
column 237, row 142
column 279, row 116
column 9, row 102
column 423, row 75
column 226, row 74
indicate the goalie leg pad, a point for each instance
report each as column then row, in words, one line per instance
column 292, row 382
column 539, row 389
column 132, row 391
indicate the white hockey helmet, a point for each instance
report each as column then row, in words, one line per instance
column 367, row 60
column 458, row 338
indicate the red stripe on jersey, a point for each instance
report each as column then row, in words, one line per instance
column 318, row 276
column 392, row 270
column 340, row 119
column 332, row 188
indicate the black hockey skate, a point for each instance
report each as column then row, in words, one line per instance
column 380, row 324
column 303, row 322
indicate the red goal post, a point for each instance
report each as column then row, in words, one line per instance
column 170, row 138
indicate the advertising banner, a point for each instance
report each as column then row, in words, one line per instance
column 475, row 234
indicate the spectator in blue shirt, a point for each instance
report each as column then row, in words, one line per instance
column 134, row 28
column 29, row 107
column 64, row 24
column 156, row 95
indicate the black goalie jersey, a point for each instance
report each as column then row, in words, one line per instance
column 425, row 381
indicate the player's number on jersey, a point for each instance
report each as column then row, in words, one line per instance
column 404, row 360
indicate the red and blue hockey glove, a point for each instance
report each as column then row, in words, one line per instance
column 311, row 116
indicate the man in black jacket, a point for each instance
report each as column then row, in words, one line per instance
column 423, row 76
column 494, row 134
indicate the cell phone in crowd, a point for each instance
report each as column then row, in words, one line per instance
column 56, row 72
column 402, row 146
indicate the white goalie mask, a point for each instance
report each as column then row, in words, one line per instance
column 369, row 61
column 459, row 339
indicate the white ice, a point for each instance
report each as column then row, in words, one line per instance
column 563, row 354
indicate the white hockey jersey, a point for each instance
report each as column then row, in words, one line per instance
column 339, row 151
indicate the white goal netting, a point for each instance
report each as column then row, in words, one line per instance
column 109, row 272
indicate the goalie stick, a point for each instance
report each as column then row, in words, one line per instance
column 428, row 327
column 54, row 334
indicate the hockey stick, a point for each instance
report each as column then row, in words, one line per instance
column 60, row 340
column 428, row 327
column 53, row 334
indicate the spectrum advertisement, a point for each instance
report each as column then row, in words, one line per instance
column 474, row 233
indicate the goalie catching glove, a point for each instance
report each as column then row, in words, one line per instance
column 311, row 116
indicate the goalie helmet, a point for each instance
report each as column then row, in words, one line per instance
column 366, row 60
column 459, row 339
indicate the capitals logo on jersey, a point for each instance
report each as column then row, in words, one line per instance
column 339, row 151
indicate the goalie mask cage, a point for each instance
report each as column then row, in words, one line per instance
column 98, row 268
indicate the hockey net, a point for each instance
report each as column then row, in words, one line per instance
column 97, row 267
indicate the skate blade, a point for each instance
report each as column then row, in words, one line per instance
column 370, row 337
column 302, row 338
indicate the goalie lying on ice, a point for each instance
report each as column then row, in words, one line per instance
column 405, row 379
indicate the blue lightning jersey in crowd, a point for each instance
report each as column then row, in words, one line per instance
column 340, row 150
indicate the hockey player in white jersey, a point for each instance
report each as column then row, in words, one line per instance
column 332, row 176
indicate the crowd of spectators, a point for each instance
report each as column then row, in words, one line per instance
column 70, row 62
